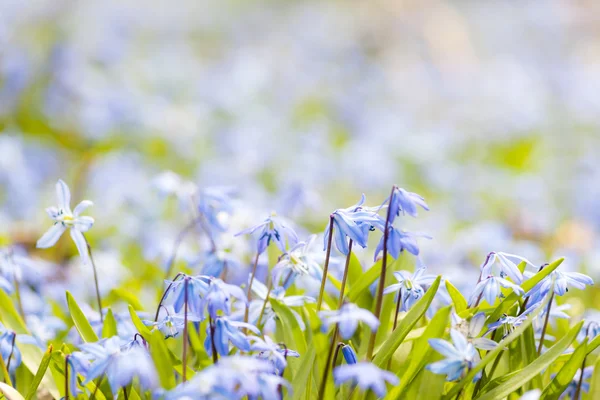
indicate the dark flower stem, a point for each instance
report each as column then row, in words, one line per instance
column 264, row 306
column 67, row 377
column 328, row 364
column 185, row 328
column 345, row 277
column 337, row 352
column 215, row 356
column 12, row 350
column 580, row 382
column 125, row 396
column 249, row 291
column 398, row 302
column 381, row 285
column 98, row 298
column 326, row 266
column 539, row 351
column 165, row 295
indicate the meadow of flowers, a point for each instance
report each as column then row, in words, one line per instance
column 182, row 212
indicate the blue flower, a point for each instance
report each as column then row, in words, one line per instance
column 354, row 222
column 216, row 261
column 472, row 329
column 78, row 363
column 460, row 355
column 197, row 287
column 411, row 287
column 398, row 241
column 585, row 386
column 296, row 262
column 218, row 297
column 5, row 285
column 504, row 263
column 65, row 218
column 9, row 351
column 172, row 325
column 349, row 354
column 347, row 319
column 510, row 323
column 225, row 331
column 269, row 350
column 558, row 282
column 366, row 376
column 489, row 288
column 121, row 364
column 405, row 202
column 272, row 229
column 215, row 204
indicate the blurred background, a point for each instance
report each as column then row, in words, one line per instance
column 489, row 109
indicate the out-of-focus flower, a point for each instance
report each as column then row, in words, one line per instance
column 172, row 325
column 571, row 389
column 472, row 329
column 272, row 229
column 215, row 204
column 354, row 222
column 558, row 282
column 65, row 218
column 121, row 364
column 79, row 363
column 505, row 264
column 348, row 318
column 366, row 376
column 410, row 287
column 226, row 331
column 399, row 241
column 273, row 352
column 489, row 288
column 297, row 261
column 216, row 261
column 197, row 287
column 460, row 355
column 218, row 297
column 405, row 202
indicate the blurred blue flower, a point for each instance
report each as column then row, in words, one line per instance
column 215, row 203
column 472, row 329
column 297, row 261
column 172, row 325
column 272, row 229
column 65, row 218
column 506, row 266
column 78, row 363
column 121, row 364
column 460, row 355
column 354, row 222
column 215, row 262
column 366, row 376
column 398, row 241
column 273, row 352
column 405, row 202
column 226, row 330
column 197, row 287
column 349, row 354
column 347, row 319
column 218, row 297
column 410, row 287
column 5, row 285
column 571, row 389
column 489, row 288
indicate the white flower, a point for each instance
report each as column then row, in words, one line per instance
column 65, row 218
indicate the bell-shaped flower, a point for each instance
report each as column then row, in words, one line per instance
column 506, row 263
column 121, row 364
column 349, row 354
column 78, row 364
column 489, row 288
column 226, row 331
column 197, row 287
column 472, row 330
column 171, row 325
column 559, row 282
column 219, row 297
column 410, row 287
column 269, row 350
column 460, row 355
column 405, row 202
column 366, row 376
column 66, row 219
column 216, row 261
column 273, row 229
column 296, row 262
column 399, row 241
column 347, row 319
column 354, row 222
column 215, row 203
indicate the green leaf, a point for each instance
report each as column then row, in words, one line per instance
column 302, row 375
column 365, row 281
column 355, row 270
column 81, row 323
column 421, row 350
column 395, row 339
column 510, row 300
column 459, row 301
column 566, row 373
column 594, row 392
column 162, row 360
column 123, row 295
column 9, row 315
column 39, row 375
column 109, row 329
column 10, row 392
column 533, row 369
column 137, row 322
column 491, row 355
column 290, row 324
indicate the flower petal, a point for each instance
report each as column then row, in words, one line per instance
column 51, row 236
column 63, row 194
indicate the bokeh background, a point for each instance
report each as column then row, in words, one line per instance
column 489, row 109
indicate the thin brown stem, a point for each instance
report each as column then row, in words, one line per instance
column 381, row 284
column 185, row 329
column 345, row 277
column 164, row 295
column 539, row 351
column 125, row 396
column 249, row 291
column 326, row 266
column 264, row 306
column 398, row 302
column 12, row 350
column 98, row 298
column 215, row 356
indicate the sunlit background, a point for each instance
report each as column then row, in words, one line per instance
column 489, row 109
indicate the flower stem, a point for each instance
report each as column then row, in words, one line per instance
column 264, row 306
column 326, row 266
column 98, row 298
column 539, row 351
column 398, row 302
column 249, row 291
column 345, row 277
column 328, row 363
column 185, row 329
column 67, row 377
column 125, row 396
column 12, row 350
column 381, row 285
column 580, row 381
column 215, row 356
column 165, row 295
